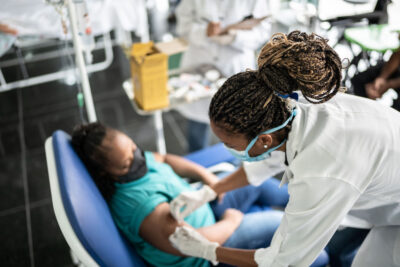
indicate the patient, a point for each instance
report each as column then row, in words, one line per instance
column 139, row 185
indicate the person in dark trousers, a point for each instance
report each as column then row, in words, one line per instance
column 375, row 81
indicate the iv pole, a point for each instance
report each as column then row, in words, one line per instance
column 81, row 63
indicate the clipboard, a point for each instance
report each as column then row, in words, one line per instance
column 246, row 24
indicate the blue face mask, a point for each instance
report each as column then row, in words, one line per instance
column 244, row 155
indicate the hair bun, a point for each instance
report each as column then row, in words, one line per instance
column 299, row 61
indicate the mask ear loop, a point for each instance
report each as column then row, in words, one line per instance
column 251, row 144
column 293, row 95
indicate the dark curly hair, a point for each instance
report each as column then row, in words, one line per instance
column 87, row 141
column 248, row 102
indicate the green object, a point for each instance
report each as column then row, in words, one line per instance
column 132, row 202
column 80, row 98
column 380, row 38
column 174, row 61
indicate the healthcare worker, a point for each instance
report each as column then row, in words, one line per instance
column 205, row 25
column 342, row 157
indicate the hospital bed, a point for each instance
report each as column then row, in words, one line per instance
column 83, row 214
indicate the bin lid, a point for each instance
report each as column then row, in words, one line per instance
column 141, row 52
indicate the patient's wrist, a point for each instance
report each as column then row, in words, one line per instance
column 210, row 179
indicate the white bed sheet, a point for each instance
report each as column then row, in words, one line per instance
column 34, row 17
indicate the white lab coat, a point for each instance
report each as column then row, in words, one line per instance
column 192, row 21
column 343, row 158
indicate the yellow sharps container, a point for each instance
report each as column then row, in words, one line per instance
column 149, row 76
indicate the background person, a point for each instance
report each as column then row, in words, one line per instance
column 375, row 81
column 205, row 24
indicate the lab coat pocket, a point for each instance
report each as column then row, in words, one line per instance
column 396, row 248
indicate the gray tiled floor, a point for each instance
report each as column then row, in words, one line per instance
column 37, row 240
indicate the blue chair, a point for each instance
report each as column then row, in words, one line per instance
column 81, row 211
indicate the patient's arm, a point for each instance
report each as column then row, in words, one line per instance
column 159, row 225
column 186, row 168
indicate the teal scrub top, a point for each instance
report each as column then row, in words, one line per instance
column 133, row 201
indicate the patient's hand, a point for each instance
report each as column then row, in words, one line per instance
column 233, row 215
column 209, row 178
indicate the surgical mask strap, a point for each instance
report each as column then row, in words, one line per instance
column 293, row 95
column 250, row 145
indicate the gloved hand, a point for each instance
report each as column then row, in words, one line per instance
column 190, row 242
column 189, row 201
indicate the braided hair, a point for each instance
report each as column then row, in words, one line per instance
column 303, row 62
column 248, row 102
column 87, row 141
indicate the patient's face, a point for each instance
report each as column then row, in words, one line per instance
column 119, row 152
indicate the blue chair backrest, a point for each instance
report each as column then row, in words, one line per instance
column 87, row 210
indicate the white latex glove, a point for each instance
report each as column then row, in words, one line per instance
column 190, row 242
column 189, row 201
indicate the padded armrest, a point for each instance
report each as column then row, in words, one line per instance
column 212, row 156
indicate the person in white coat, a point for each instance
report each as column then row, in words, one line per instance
column 342, row 157
column 205, row 25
